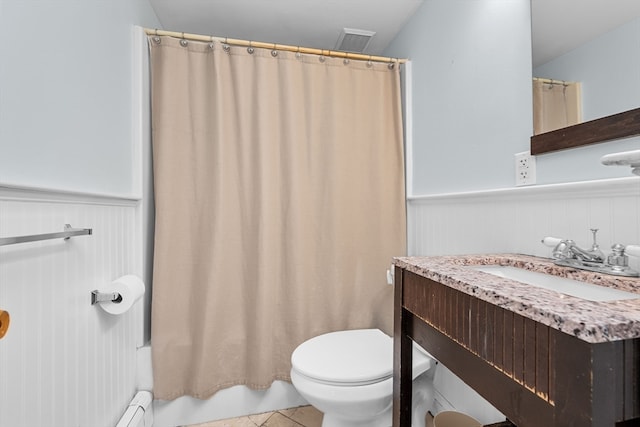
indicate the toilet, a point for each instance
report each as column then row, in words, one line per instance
column 348, row 375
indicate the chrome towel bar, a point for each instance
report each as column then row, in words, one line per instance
column 66, row 234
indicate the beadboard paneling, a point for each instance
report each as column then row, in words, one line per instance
column 515, row 220
column 64, row 362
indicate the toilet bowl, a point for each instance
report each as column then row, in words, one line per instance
column 348, row 375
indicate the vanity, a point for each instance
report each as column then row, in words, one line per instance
column 541, row 357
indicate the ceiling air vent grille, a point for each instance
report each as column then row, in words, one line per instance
column 354, row 40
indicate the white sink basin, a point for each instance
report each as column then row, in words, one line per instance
column 563, row 285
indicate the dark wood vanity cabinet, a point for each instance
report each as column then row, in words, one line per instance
column 535, row 375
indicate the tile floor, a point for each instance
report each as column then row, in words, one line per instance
column 303, row 416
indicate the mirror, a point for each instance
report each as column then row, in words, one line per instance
column 595, row 44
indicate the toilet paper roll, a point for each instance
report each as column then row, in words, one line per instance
column 130, row 288
column 5, row 319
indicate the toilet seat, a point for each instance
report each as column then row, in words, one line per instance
column 348, row 375
column 346, row 358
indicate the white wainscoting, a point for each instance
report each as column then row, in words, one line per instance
column 64, row 362
column 515, row 220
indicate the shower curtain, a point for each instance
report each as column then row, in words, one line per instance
column 555, row 106
column 279, row 191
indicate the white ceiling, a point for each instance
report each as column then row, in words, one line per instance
column 558, row 25
column 308, row 23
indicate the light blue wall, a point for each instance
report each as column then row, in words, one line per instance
column 472, row 97
column 472, row 111
column 66, row 93
column 609, row 69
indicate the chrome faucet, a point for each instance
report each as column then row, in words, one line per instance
column 567, row 249
column 567, row 254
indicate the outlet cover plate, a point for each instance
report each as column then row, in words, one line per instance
column 525, row 166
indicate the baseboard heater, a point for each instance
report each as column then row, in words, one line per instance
column 139, row 413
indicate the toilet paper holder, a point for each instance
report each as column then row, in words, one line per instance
column 97, row 296
column 120, row 295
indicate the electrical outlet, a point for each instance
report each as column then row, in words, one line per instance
column 525, row 168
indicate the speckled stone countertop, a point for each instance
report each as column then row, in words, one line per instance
column 588, row 320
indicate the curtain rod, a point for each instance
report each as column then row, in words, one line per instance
column 247, row 43
column 552, row 81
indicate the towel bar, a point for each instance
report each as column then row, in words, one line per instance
column 66, row 234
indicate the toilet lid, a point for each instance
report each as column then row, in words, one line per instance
column 356, row 357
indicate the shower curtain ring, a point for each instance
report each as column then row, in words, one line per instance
column 226, row 46
column 250, row 48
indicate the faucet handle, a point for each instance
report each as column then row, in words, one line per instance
column 633, row 250
column 552, row 242
column 561, row 247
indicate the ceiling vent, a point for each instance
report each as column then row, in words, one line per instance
column 354, row 40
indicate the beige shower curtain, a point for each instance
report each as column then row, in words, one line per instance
column 280, row 202
column 555, row 105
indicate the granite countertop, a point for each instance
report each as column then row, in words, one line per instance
column 590, row 321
